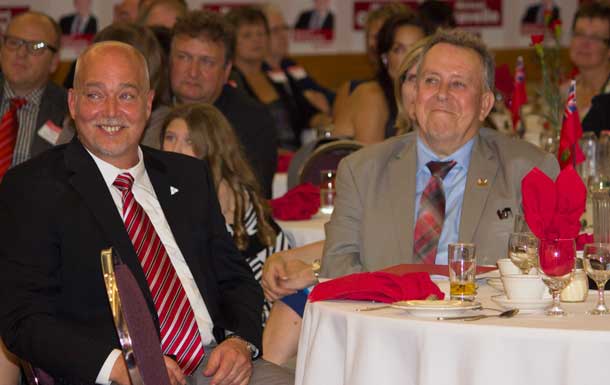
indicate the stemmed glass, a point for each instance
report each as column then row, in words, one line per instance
column 597, row 266
column 557, row 258
column 523, row 251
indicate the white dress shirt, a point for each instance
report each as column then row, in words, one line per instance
column 144, row 194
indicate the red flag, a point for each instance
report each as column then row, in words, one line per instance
column 519, row 97
column 571, row 131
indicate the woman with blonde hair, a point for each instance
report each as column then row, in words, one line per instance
column 201, row 131
column 404, row 88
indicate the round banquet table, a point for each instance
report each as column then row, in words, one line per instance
column 305, row 232
column 339, row 345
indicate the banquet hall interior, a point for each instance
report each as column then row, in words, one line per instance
column 304, row 192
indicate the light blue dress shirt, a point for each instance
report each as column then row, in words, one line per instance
column 454, row 185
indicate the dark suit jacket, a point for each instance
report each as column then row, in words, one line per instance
column 66, row 25
column 56, row 214
column 305, row 17
column 53, row 107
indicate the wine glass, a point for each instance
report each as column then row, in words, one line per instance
column 557, row 258
column 523, row 251
column 597, row 266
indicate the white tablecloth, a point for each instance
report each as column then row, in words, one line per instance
column 305, row 232
column 341, row 346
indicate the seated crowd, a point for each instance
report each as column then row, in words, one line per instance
column 165, row 145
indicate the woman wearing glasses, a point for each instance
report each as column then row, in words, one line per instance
column 590, row 53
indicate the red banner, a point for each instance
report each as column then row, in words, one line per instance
column 468, row 13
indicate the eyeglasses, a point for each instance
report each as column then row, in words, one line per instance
column 34, row 48
column 591, row 38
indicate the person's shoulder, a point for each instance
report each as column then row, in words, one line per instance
column 514, row 151
column 368, row 87
column 234, row 103
column 55, row 93
column 379, row 154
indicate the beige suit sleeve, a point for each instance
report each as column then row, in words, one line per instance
column 343, row 241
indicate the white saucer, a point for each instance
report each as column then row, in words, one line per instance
column 426, row 308
column 496, row 283
column 525, row 306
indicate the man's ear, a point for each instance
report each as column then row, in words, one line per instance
column 487, row 102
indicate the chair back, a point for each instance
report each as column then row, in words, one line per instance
column 301, row 156
column 134, row 325
column 35, row 376
column 326, row 157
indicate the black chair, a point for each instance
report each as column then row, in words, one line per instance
column 134, row 325
column 326, row 157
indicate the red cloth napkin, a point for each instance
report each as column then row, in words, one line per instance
column 582, row 240
column 553, row 209
column 283, row 161
column 378, row 286
column 299, row 203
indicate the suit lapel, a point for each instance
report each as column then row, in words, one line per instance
column 481, row 176
column 170, row 196
column 401, row 180
column 87, row 180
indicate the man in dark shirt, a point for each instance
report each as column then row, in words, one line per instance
column 200, row 64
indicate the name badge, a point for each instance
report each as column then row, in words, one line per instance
column 278, row 76
column 50, row 132
column 297, row 72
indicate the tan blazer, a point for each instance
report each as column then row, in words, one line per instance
column 373, row 221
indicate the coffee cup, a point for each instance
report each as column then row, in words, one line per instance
column 523, row 287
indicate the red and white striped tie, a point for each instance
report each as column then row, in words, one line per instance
column 179, row 333
column 9, row 126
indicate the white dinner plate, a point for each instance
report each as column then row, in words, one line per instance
column 496, row 283
column 524, row 305
column 426, row 308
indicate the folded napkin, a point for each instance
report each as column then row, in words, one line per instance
column 378, row 286
column 283, row 161
column 299, row 203
column 553, row 209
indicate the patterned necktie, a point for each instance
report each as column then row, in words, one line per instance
column 179, row 333
column 431, row 213
column 9, row 125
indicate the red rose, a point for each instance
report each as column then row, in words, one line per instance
column 537, row 39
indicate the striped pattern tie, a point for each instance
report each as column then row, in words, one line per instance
column 431, row 213
column 179, row 333
column 9, row 125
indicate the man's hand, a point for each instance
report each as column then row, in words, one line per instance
column 119, row 373
column 274, row 272
column 282, row 277
column 176, row 377
column 230, row 363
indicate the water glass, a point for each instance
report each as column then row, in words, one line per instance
column 597, row 266
column 523, row 251
column 600, row 204
column 327, row 191
column 462, row 271
column 520, row 226
column 588, row 145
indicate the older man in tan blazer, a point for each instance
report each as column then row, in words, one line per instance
column 379, row 188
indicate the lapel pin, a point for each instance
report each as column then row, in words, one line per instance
column 172, row 190
column 482, row 182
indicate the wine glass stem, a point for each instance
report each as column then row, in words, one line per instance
column 556, row 298
column 601, row 302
